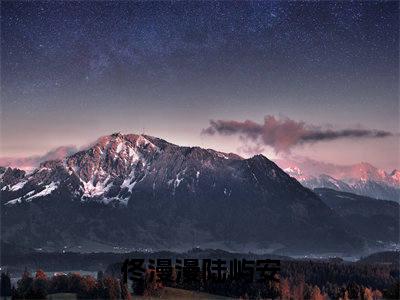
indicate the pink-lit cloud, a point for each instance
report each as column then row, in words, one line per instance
column 282, row 134
column 31, row 162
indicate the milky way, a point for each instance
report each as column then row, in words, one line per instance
column 74, row 70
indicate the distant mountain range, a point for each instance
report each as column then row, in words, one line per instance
column 362, row 179
column 137, row 191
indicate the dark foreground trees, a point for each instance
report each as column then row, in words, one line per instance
column 298, row 280
column 5, row 285
column 85, row 287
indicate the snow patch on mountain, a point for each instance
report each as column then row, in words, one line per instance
column 129, row 183
column 18, row 186
column 91, row 190
column 14, row 201
column 120, row 147
column 48, row 189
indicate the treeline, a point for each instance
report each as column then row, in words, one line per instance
column 85, row 287
column 301, row 280
column 335, row 279
column 321, row 280
column 107, row 287
column 297, row 280
column 312, row 280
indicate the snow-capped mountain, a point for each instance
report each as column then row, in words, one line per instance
column 367, row 172
column 141, row 191
column 362, row 179
column 395, row 175
column 108, row 171
column 326, row 181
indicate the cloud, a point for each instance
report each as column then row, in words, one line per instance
column 282, row 134
column 31, row 162
column 248, row 149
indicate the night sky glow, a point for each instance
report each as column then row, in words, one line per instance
column 73, row 71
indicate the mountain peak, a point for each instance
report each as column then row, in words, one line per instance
column 395, row 175
column 114, row 164
column 116, row 134
column 365, row 171
column 260, row 157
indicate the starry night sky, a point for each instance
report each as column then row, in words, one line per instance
column 73, row 71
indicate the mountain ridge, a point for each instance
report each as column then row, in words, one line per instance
column 141, row 191
column 368, row 216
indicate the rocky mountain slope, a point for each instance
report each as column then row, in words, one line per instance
column 370, row 218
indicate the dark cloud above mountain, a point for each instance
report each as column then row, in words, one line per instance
column 282, row 134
